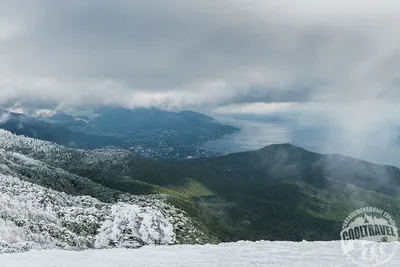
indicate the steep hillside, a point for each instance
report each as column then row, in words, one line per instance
column 43, row 206
column 280, row 192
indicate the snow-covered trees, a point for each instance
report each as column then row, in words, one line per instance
column 35, row 216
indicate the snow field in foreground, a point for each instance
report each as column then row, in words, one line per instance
column 262, row 253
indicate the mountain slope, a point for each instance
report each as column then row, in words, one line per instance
column 28, row 126
column 34, row 217
column 280, row 192
column 44, row 206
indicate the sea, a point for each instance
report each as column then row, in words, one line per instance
column 378, row 143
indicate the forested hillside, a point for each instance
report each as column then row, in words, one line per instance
column 278, row 192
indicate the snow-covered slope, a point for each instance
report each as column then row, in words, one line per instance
column 18, row 165
column 45, row 207
column 244, row 254
column 44, row 150
column 34, row 217
column 57, row 155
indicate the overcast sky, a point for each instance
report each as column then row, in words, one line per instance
column 184, row 53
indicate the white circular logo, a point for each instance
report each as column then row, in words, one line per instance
column 366, row 237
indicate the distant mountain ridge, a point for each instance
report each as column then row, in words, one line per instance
column 148, row 132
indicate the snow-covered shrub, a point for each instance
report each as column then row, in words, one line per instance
column 135, row 226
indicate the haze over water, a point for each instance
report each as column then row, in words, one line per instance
column 314, row 135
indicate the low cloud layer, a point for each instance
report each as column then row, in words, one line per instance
column 179, row 53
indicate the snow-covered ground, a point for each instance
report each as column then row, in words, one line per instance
column 263, row 253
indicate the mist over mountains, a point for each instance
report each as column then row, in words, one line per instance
column 126, row 124
column 121, row 168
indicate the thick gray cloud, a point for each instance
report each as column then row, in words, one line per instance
column 180, row 53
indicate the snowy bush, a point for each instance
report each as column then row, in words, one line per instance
column 135, row 226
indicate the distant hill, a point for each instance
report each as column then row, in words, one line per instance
column 121, row 121
column 280, row 192
column 187, row 124
column 65, row 119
